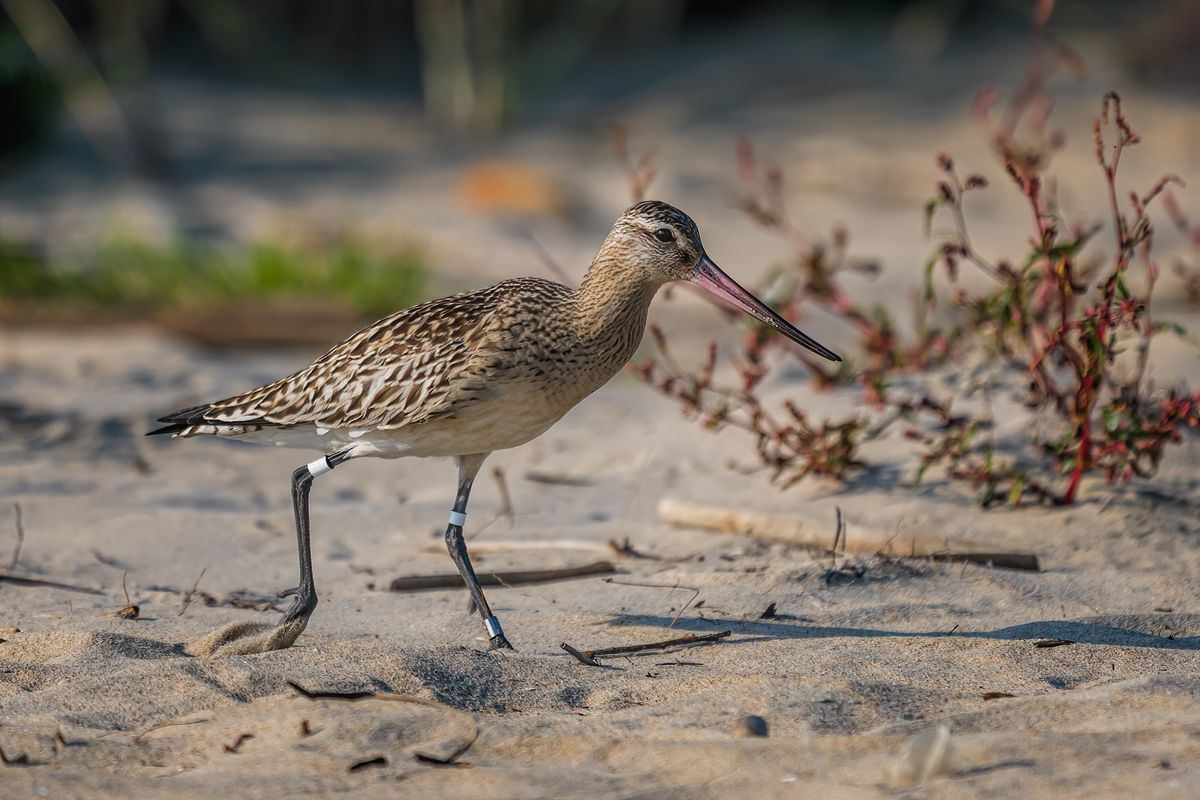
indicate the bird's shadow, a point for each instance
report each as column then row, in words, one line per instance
column 1075, row 631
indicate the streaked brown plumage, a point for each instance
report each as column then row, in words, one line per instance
column 476, row 372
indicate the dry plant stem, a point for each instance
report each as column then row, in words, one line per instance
column 505, row 512
column 647, row 585
column 519, row 545
column 555, row 479
column 580, row 656
column 641, row 172
column 417, row 583
column 152, row 728
column 691, row 638
column 20, row 527
column 790, row 531
column 191, row 593
column 18, row 579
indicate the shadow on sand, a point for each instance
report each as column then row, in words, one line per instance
column 1082, row 631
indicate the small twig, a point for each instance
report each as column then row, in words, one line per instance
column 646, row 585
column 506, row 506
column 16, row 556
column 1052, row 642
column 416, row 583
column 691, row 638
column 29, row 580
column 626, row 548
column 580, row 656
column 505, row 512
column 839, row 536
column 237, row 744
column 187, row 598
column 555, row 479
column 153, row 728
column 509, row 545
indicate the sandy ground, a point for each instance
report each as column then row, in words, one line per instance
column 863, row 654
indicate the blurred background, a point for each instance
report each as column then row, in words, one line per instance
column 183, row 160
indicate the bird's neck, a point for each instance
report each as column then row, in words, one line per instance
column 613, row 297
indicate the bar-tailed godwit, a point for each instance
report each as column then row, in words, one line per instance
column 470, row 374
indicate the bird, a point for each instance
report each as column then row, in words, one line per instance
column 470, row 374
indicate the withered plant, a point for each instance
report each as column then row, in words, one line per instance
column 1076, row 324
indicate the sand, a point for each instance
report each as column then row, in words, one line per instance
column 863, row 653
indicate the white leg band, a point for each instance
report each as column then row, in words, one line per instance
column 493, row 626
column 319, row 467
column 458, row 518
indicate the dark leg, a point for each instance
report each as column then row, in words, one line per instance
column 305, row 595
column 468, row 466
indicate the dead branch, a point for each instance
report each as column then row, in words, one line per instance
column 417, row 583
column 691, row 638
column 28, row 580
column 791, row 531
column 580, row 656
column 510, row 545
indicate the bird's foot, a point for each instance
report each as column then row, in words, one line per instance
column 497, row 640
column 500, row 642
column 304, row 602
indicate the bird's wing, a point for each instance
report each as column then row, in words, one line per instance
column 416, row 364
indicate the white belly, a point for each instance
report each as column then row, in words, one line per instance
column 502, row 421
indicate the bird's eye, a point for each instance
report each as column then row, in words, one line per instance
column 664, row 235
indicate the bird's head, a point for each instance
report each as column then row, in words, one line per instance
column 664, row 243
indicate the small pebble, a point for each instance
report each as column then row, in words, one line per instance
column 751, row 725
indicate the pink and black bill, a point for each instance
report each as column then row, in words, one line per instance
column 710, row 276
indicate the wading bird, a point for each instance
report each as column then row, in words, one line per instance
column 470, row 374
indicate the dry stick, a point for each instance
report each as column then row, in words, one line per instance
column 416, row 583
column 508, row 545
column 16, row 556
column 791, row 531
column 555, row 479
column 29, row 580
column 644, row 584
column 160, row 726
column 580, row 656
column 505, row 512
column 691, row 638
column 506, row 506
column 626, row 548
column 839, row 535
column 187, row 598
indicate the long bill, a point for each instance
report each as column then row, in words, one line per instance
column 710, row 276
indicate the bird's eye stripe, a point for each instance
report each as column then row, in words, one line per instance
column 664, row 235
